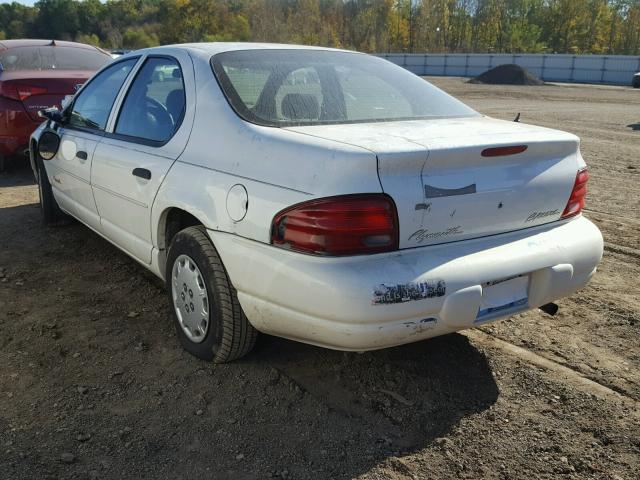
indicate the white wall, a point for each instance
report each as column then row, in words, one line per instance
column 610, row 69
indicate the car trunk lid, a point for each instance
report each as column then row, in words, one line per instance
column 40, row 89
column 445, row 189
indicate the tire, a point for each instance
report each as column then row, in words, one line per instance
column 51, row 213
column 194, row 268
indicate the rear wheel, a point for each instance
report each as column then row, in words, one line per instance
column 51, row 213
column 208, row 318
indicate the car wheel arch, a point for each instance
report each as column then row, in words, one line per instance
column 171, row 221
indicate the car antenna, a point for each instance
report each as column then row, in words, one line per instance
column 517, row 119
column 53, row 43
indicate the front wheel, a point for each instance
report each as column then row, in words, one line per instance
column 208, row 318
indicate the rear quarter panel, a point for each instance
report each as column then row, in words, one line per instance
column 278, row 168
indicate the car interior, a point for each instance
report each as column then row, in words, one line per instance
column 154, row 107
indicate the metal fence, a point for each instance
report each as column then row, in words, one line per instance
column 608, row 69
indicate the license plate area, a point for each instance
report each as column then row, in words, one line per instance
column 500, row 297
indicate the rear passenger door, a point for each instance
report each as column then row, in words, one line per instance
column 143, row 140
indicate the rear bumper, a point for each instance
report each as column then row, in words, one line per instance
column 337, row 302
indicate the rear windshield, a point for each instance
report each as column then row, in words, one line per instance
column 52, row 58
column 312, row 87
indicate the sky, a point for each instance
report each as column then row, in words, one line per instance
column 24, row 2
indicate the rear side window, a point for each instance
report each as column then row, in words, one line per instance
column 91, row 107
column 53, row 58
column 308, row 87
column 155, row 103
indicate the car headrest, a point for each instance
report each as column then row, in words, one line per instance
column 177, row 73
column 176, row 104
column 300, row 106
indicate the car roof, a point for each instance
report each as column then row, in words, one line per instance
column 217, row 47
column 211, row 48
column 25, row 42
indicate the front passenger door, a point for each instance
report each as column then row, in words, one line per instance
column 131, row 161
column 84, row 126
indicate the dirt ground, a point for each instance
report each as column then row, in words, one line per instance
column 93, row 382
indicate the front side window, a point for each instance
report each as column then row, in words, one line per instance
column 155, row 103
column 53, row 58
column 309, row 87
column 91, row 108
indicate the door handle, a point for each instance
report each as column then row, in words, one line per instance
column 81, row 155
column 142, row 173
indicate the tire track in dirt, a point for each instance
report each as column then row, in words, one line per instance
column 557, row 371
column 617, row 218
column 621, row 249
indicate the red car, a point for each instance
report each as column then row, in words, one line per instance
column 34, row 75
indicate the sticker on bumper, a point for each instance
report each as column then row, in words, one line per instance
column 408, row 292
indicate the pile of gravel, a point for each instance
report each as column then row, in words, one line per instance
column 507, row 75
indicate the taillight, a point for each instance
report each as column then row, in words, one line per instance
column 18, row 91
column 576, row 200
column 344, row 225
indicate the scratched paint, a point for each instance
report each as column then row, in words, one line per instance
column 418, row 328
column 423, row 206
column 424, row 321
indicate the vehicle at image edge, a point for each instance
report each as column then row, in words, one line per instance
column 325, row 196
column 635, row 82
column 34, row 75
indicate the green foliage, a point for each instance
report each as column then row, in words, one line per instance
column 573, row 26
column 88, row 38
column 57, row 19
column 136, row 37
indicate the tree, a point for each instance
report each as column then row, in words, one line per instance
column 89, row 39
column 137, row 37
column 567, row 26
column 57, row 19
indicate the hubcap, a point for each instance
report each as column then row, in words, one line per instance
column 190, row 299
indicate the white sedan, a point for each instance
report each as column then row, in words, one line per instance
column 320, row 195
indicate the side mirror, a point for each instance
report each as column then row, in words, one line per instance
column 48, row 145
column 52, row 114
